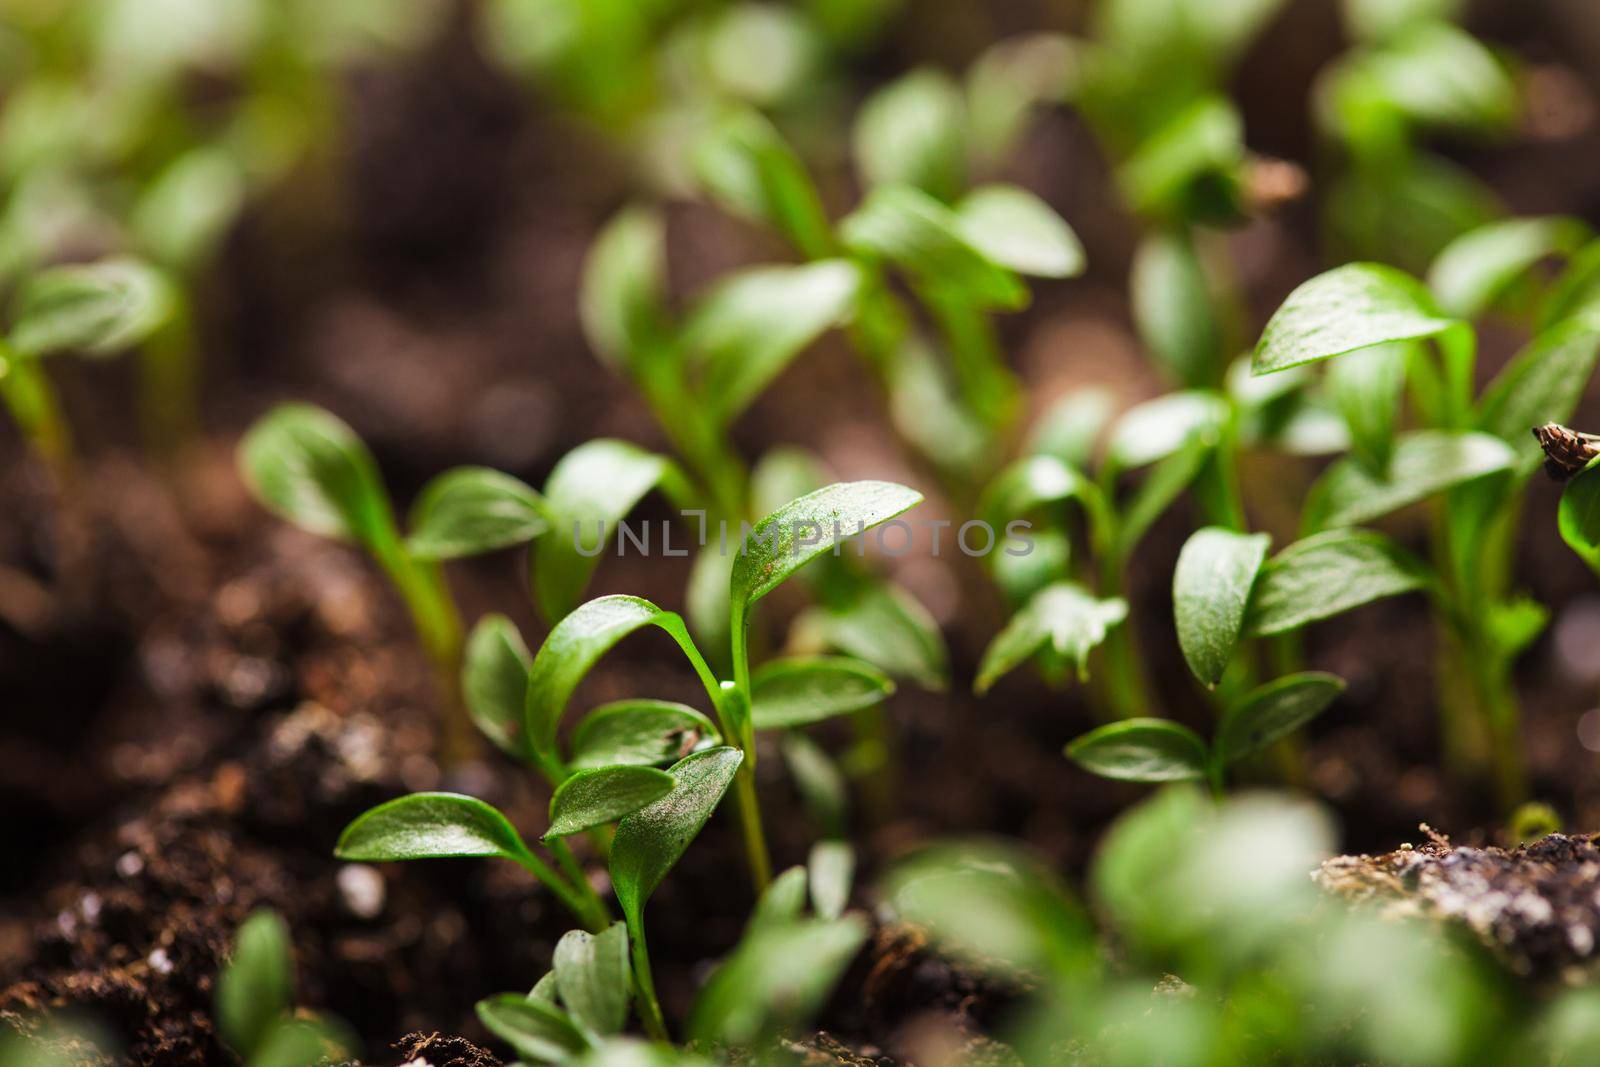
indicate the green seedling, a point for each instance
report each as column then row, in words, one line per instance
column 1471, row 453
column 1158, row 750
column 1572, row 458
column 1272, row 967
column 98, row 310
column 255, row 1009
column 774, row 979
column 1411, row 74
column 310, row 468
column 960, row 251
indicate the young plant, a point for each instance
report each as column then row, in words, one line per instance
column 255, row 1010
column 99, row 310
column 961, row 253
column 776, row 977
column 1470, row 452
column 310, row 468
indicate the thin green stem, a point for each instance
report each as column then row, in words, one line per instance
column 32, row 401
column 644, row 984
column 169, row 382
column 734, row 712
column 438, row 626
column 564, row 891
column 596, row 916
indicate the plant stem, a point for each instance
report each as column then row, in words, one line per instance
column 755, row 840
column 734, row 711
column 169, row 382
column 564, row 891
column 644, row 984
column 596, row 916
column 32, row 401
column 438, row 627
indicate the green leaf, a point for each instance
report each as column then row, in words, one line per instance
column 1210, row 591
column 1273, row 711
column 1366, row 387
column 749, row 328
column 594, row 977
column 639, row 732
column 818, row 780
column 650, row 841
column 787, row 693
column 1476, row 269
column 1017, row 230
column 605, row 794
column 1189, row 168
column 1441, row 76
column 783, row 474
column 1541, row 384
column 745, row 165
column 471, row 510
column 430, row 826
column 1577, row 289
column 256, row 988
column 588, row 493
column 573, row 647
column 1157, row 428
column 832, row 865
column 1069, row 428
column 778, row 977
column 494, row 682
column 99, row 309
column 913, row 132
column 1007, row 81
column 804, row 529
column 622, row 302
column 1174, row 309
column 1141, row 750
column 296, row 1042
column 1156, row 493
column 547, row 990
column 631, row 1052
column 1065, row 617
column 1376, row 20
column 535, row 1030
column 1578, row 517
column 1329, row 573
column 1424, row 462
column 886, row 626
column 783, row 901
column 310, row 468
column 922, row 237
column 1347, row 308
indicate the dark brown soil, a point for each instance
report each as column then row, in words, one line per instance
column 198, row 698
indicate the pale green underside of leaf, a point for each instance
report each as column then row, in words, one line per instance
column 310, row 468
column 831, row 867
column 1366, row 387
column 96, row 309
column 783, row 901
column 594, row 978
column 1069, row 428
column 639, row 732
column 745, row 164
column 1173, row 307
column 1141, row 750
column 1422, row 463
column 494, row 682
column 471, row 510
column 1203, row 139
column 1274, row 711
column 1349, row 307
column 1065, row 617
column 535, row 1030
column 591, row 798
column 650, row 841
column 1017, row 230
column 621, row 303
column 787, row 693
column 1329, row 573
column 803, row 529
column 430, row 826
column 573, row 647
column 1210, row 591
column 912, row 132
column 1476, row 268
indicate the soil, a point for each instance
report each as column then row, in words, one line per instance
column 200, row 698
